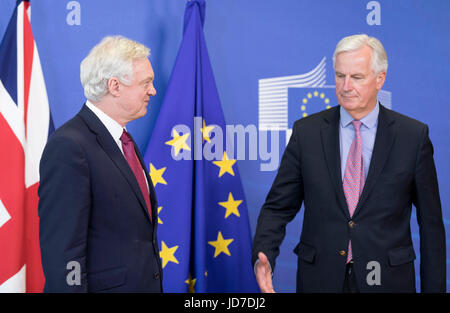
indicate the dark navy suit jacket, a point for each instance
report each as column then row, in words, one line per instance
column 92, row 212
column 401, row 173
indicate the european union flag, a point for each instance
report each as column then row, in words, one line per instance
column 204, row 231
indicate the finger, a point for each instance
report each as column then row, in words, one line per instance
column 270, row 286
column 266, row 285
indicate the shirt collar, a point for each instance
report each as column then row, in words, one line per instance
column 114, row 128
column 369, row 121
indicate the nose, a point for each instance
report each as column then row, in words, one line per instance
column 348, row 86
column 152, row 91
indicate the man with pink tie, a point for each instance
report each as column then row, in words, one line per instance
column 358, row 168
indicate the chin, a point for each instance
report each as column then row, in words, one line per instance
column 348, row 105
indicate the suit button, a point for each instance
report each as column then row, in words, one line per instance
column 343, row 253
column 156, row 276
column 351, row 224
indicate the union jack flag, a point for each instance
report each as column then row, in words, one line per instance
column 25, row 124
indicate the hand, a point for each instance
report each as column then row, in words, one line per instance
column 264, row 274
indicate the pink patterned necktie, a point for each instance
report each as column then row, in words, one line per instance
column 354, row 176
column 135, row 165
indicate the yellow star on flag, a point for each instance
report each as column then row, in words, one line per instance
column 178, row 142
column 167, row 254
column 205, row 131
column 221, row 245
column 231, row 205
column 159, row 210
column 156, row 175
column 191, row 283
column 226, row 165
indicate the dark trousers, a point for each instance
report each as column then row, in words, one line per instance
column 350, row 285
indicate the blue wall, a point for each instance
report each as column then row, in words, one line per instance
column 249, row 40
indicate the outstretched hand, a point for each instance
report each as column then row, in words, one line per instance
column 264, row 274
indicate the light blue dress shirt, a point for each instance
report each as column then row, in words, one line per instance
column 347, row 135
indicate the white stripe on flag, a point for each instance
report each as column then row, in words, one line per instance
column 8, row 109
column 20, row 65
column 15, row 284
column 4, row 215
column 38, row 122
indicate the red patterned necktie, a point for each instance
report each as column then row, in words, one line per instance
column 354, row 177
column 135, row 165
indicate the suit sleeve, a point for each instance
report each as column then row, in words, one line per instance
column 429, row 217
column 64, row 205
column 282, row 203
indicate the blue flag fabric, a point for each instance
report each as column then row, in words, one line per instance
column 204, row 231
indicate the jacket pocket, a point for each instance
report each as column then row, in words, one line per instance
column 107, row 279
column 305, row 252
column 402, row 255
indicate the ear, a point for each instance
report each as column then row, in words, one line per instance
column 114, row 86
column 381, row 77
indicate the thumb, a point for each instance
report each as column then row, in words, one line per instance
column 264, row 262
column 263, row 259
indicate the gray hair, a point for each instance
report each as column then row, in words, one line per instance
column 112, row 57
column 355, row 42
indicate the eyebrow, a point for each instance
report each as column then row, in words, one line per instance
column 352, row 75
column 150, row 78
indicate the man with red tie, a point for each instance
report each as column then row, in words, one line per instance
column 358, row 168
column 97, row 204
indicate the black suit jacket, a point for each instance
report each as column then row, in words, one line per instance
column 92, row 211
column 401, row 173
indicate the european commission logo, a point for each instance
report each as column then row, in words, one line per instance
column 283, row 100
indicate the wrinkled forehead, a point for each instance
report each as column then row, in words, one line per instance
column 142, row 69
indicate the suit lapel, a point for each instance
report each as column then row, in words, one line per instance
column 107, row 143
column 383, row 143
column 330, row 144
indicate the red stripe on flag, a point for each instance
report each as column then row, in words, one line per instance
column 28, row 47
column 12, row 192
column 35, row 276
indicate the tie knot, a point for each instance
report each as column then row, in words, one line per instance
column 125, row 138
column 357, row 125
